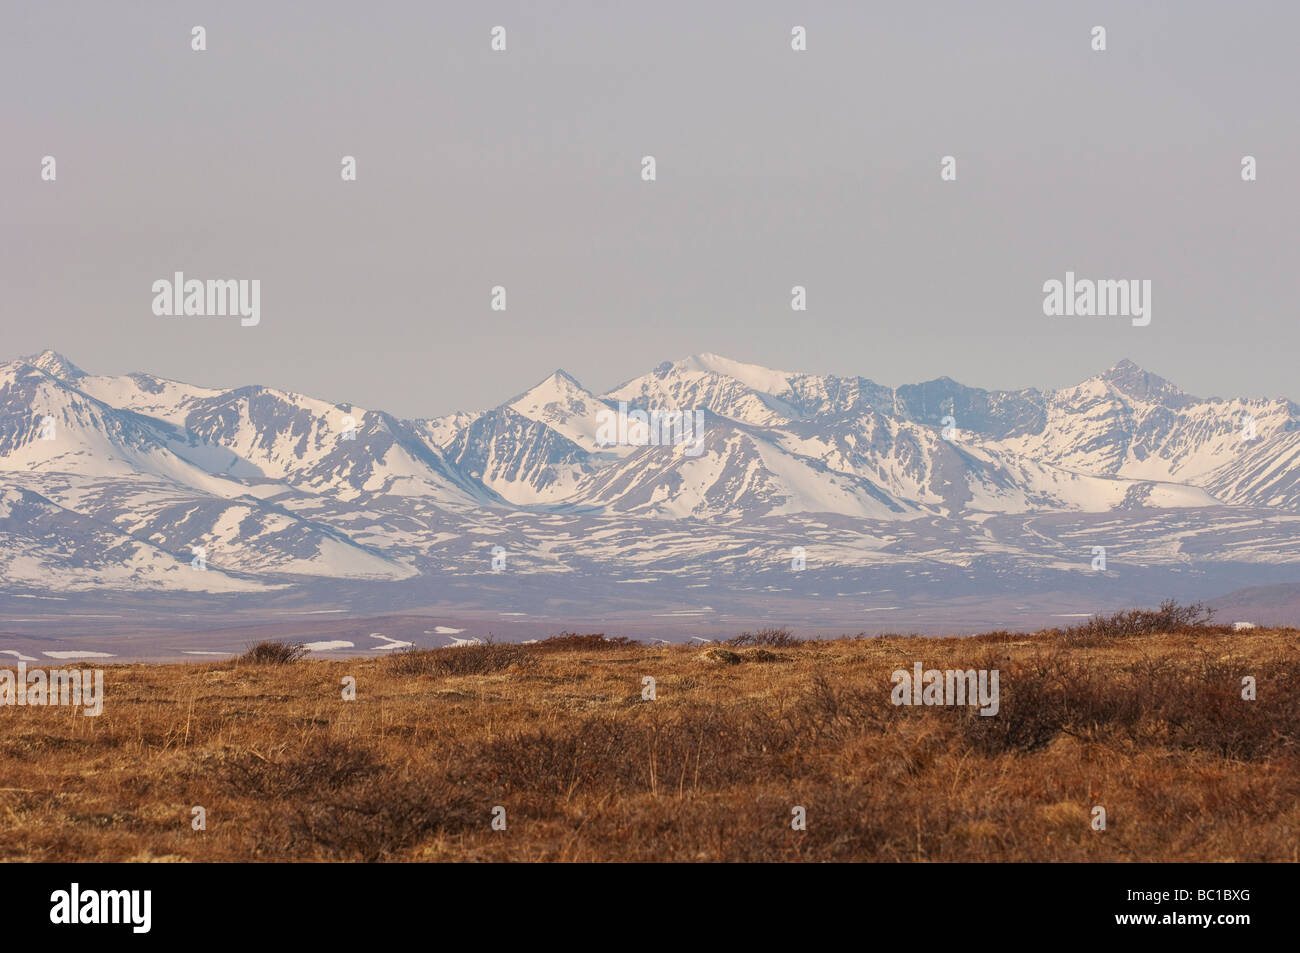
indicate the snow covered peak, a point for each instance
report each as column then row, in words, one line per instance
column 564, row 405
column 560, row 385
column 743, row 392
column 562, row 378
column 56, row 365
column 1133, row 382
column 763, row 379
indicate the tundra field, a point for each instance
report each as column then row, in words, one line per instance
column 1142, row 714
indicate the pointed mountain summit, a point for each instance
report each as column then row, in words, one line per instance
column 565, row 406
column 558, row 381
column 1132, row 381
column 743, row 392
column 763, row 379
column 56, row 365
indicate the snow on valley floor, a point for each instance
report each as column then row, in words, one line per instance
column 327, row 646
column 389, row 644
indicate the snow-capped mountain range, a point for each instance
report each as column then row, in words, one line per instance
column 114, row 483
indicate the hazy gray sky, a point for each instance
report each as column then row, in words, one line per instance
column 775, row 168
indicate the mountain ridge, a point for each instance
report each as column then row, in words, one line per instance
column 283, row 486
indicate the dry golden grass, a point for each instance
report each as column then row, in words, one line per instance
column 1152, row 727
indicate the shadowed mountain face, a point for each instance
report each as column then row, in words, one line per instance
column 781, row 482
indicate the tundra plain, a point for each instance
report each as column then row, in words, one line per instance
column 1150, row 725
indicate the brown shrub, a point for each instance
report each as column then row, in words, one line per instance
column 1189, row 705
column 272, row 653
column 770, row 638
column 1169, row 619
column 321, row 765
column 997, row 638
column 573, row 642
column 700, row 746
column 382, row 816
column 458, row 660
